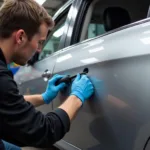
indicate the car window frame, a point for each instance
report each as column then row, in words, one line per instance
column 81, row 15
column 74, row 16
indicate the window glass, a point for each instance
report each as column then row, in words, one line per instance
column 95, row 30
column 53, row 41
column 108, row 15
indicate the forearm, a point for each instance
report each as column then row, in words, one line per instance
column 35, row 100
column 71, row 106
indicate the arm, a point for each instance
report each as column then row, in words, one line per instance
column 25, row 126
column 81, row 90
column 50, row 93
column 73, row 103
column 71, row 106
column 35, row 100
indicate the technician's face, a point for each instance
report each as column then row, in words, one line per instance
column 25, row 49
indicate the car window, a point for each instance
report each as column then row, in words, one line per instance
column 53, row 41
column 106, row 15
column 95, row 30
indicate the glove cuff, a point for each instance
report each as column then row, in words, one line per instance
column 79, row 95
column 44, row 96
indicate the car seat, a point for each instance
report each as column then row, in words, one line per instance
column 115, row 17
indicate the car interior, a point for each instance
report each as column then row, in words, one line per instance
column 107, row 15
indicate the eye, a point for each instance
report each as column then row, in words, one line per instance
column 41, row 42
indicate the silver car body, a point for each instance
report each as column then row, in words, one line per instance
column 117, row 116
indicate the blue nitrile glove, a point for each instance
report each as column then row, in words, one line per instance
column 52, row 90
column 82, row 88
column 9, row 146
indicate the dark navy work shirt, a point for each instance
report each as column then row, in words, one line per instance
column 20, row 122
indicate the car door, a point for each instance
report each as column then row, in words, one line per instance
column 114, row 117
column 29, row 77
column 117, row 116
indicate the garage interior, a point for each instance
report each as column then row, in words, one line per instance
column 51, row 5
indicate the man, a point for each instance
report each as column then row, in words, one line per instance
column 23, row 28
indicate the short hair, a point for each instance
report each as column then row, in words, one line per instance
column 22, row 14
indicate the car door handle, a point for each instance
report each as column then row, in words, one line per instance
column 46, row 75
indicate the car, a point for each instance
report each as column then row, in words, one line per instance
column 110, row 40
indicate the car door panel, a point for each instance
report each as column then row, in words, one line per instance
column 118, row 66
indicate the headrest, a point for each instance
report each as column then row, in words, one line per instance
column 115, row 17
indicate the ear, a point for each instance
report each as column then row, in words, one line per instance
column 20, row 36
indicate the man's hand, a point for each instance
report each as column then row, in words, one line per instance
column 52, row 90
column 82, row 88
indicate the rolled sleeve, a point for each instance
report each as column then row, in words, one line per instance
column 63, row 116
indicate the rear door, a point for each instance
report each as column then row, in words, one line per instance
column 117, row 116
